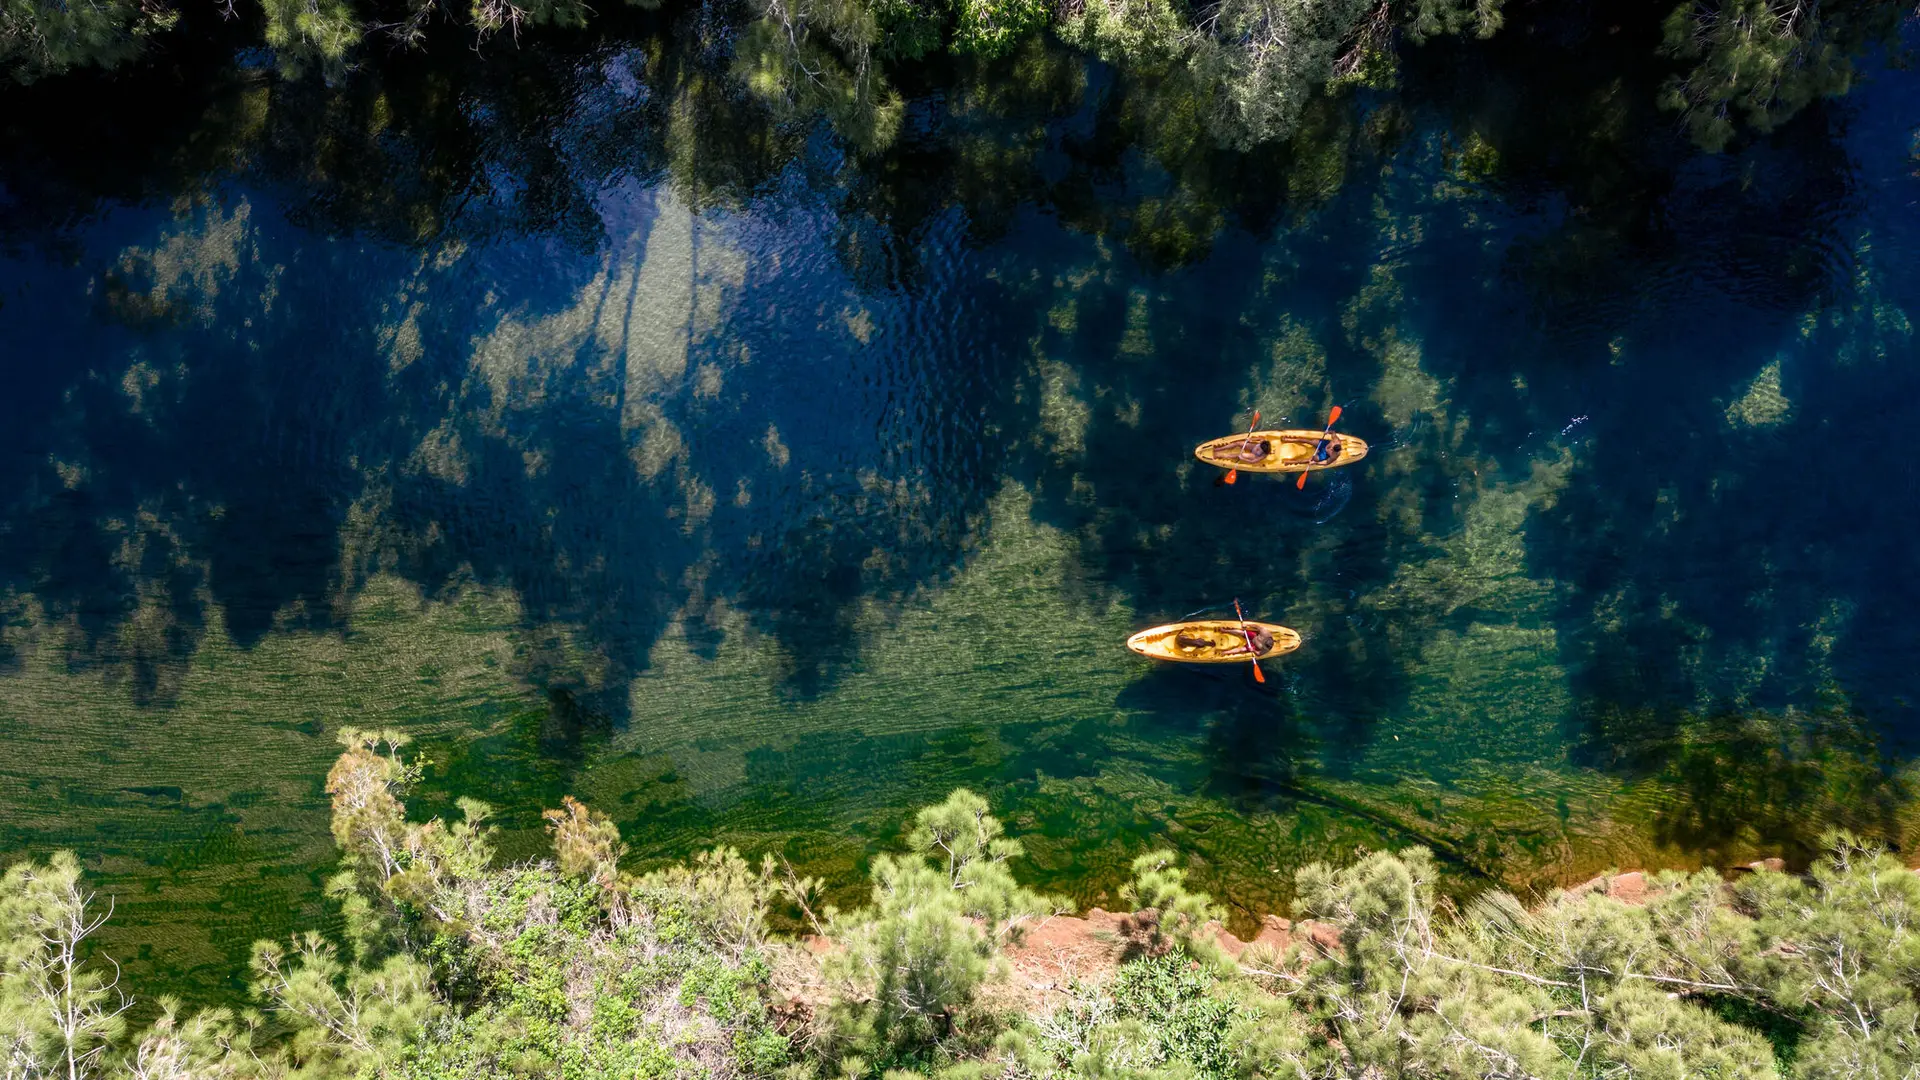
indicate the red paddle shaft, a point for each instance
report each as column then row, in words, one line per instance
column 1234, row 474
column 1258, row 675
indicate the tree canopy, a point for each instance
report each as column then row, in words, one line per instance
column 1253, row 66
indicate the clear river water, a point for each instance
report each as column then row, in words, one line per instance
column 617, row 433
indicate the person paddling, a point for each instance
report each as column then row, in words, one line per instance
column 1253, row 453
column 1262, row 642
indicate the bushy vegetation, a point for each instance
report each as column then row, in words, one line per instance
column 1759, row 62
column 1250, row 66
column 1249, row 69
column 450, row 965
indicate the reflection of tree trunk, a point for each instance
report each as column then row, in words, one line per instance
column 626, row 330
column 693, row 276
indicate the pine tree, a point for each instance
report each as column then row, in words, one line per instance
column 939, row 918
column 1759, row 62
column 345, row 1018
column 586, row 843
column 211, row 1045
column 1844, row 943
column 39, row 38
column 58, row 1014
column 1180, row 914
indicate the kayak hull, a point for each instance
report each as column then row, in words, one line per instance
column 1293, row 451
column 1161, row 642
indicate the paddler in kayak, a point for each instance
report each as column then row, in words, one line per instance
column 1253, row 453
column 1260, row 639
column 1262, row 643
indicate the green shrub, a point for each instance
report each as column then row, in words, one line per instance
column 1181, row 916
column 993, row 27
column 475, row 972
column 913, row 961
column 1170, row 996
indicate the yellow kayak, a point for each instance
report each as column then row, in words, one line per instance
column 1290, row 451
column 1209, row 641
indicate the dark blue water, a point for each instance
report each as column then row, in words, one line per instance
column 618, row 437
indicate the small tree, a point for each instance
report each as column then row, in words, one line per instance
column 970, row 841
column 58, row 1014
column 211, row 1045
column 1843, row 943
column 586, row 843
column 344, row 1018
column 933, row 934
column 724, row 895
column 398, row 874
column 366, row 784
column 1159, row 883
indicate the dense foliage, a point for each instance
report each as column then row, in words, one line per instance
column 451, row 966
column 1762, row 61
column 1251, row 66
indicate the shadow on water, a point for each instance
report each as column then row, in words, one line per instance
column 1733, row 545
column 233, row 487
column 1237, row 720
column 1783, row 783
column 236, row 473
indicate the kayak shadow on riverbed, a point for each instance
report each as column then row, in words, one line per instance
column 1251, row 739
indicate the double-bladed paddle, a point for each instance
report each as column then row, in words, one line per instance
column 1334, row 414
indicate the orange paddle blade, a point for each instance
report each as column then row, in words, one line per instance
column 1258, row 675
column 1232, row 475
column 1332, row 415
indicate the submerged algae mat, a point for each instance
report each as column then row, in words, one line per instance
column 762, row 515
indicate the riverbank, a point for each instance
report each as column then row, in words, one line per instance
column 1061, row 951
column 453, row 963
